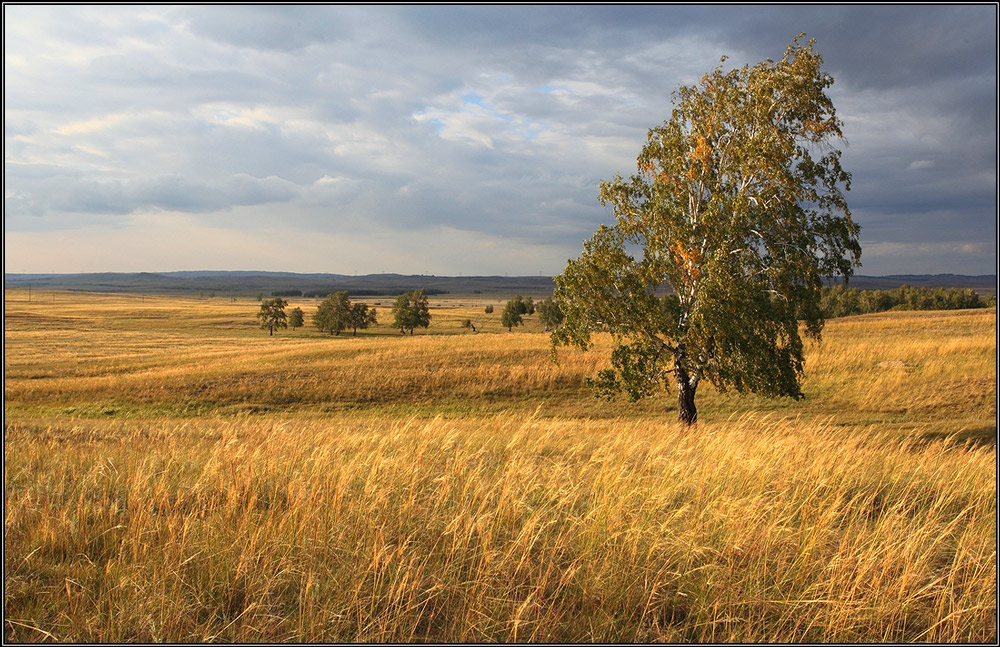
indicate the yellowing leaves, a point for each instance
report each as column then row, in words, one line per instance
column 700, row 155
column 689, row 262
column 820, row 128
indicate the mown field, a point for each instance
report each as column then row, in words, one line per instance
column 172, row 473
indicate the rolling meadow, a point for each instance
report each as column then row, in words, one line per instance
column 173, row 473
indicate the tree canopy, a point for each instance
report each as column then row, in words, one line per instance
column 726, row 232
column 361, row 316
column 511, row 315
column 549, row 313
column 272, row 314
column 411, row 311
column 334, row 314
column 295, row 317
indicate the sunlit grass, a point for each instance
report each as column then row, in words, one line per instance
column 174, row 474
column 363, row 529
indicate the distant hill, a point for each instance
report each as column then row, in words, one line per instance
column 983, row 283
column 243, row 283
column 251, row 283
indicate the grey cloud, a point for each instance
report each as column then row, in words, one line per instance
column 286, row 28
column 498, row 120
column 872, row 46
column 66, row 197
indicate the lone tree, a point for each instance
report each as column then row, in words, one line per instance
column 411, row 311
column 511, row 315
column 272, row 314
column 334, row 314
column 739, row 214
column 295, row 318
column 361, row 316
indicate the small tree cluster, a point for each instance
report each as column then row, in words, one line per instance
column 515, row 309
column 488, row 309
column 333, row 313
column 523, row 306
column 411, row 311
column 272, row 314
column 336, row 313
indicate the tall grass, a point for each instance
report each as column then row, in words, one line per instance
column 112, row 357
column 497, row 529
column 172, row 474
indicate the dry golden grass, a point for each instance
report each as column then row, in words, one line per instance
column 174, row 474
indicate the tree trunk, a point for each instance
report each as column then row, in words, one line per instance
column 272, row 331
column 687, row 413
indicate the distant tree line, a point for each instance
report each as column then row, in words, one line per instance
column 315, row 294
column 840, row 301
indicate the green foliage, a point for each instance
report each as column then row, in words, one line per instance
column 515, row 309
column 295, row 318
column 272, row 314
column 637, row 371
column 841, row 301
column 411, row 311
column 334, row 314
column 738, row 213
column 549, row 314
column 522, row 306
column 361, row 316
column 488, row 309
column 511, row 315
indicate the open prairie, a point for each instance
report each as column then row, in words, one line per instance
column 173, row 473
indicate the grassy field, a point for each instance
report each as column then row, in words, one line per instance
column 172, row 473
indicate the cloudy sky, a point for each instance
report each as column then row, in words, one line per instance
column 449, row 140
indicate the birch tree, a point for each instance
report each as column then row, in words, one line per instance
column 736, row 215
